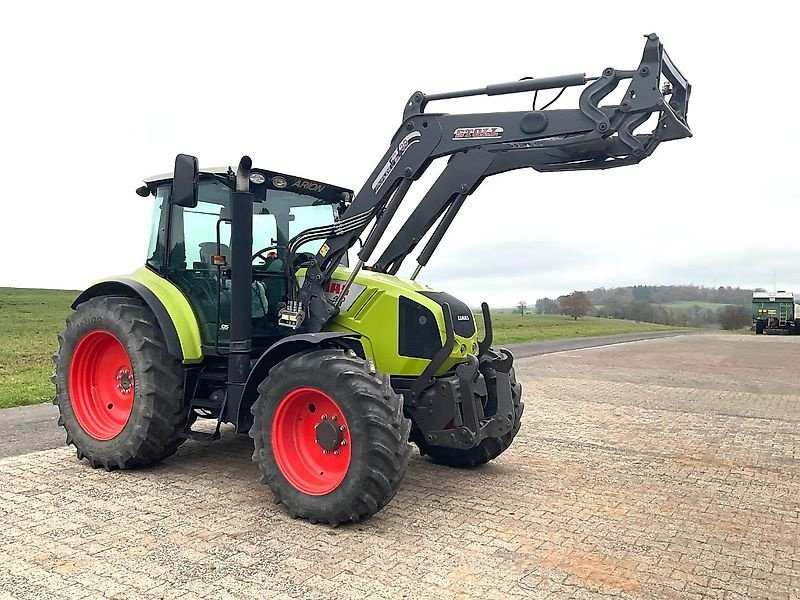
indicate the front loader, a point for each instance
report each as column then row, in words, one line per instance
column 248, row 312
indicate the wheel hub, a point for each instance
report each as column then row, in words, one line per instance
column 328, row 435
column 124, row 381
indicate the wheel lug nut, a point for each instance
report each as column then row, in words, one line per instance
column 333, row 417
column 336, row 452
column 324, row 451
column 343, row 443
column 324, row 417
column 342, row 428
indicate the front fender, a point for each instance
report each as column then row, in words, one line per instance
column 272, row 356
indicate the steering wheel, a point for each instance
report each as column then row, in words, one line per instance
column 260, row 253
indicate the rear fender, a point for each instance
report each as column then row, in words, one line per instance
column 173, row 313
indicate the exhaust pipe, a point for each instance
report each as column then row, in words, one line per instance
column 241, row 275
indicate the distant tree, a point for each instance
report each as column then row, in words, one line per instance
column 662, row 315
column 639, row 310
column 522, row 305
column 613, row 308
column 547, row 306
column 598, row 295
column 734, row 317
column 576, row 304
column 643, row 293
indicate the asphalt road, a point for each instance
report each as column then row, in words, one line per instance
column 549, row 347
column 32, row 428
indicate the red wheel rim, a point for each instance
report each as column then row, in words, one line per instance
column 101, row 387
column 311, row 441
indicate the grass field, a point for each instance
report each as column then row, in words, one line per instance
column 31, row 319
column 689, row 304
column 510, row 328
column 29, row 323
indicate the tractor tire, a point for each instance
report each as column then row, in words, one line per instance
column 489, row 448
column 330, row 436
column 119, row 392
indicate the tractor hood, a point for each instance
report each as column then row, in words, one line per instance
column 401, row 322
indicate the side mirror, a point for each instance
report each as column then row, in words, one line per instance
column 184, row 181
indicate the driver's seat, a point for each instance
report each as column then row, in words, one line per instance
column 209, row 249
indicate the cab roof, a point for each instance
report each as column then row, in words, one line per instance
column 164, row 177
column 262, row 178
column 781, row 295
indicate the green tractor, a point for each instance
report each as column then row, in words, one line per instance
column 248, row 312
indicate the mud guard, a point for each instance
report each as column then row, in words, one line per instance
column 131, row 288
column 272, row 356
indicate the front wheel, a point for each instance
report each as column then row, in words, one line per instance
column 330, row 437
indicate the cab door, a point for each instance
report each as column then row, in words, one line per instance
column 196, row 235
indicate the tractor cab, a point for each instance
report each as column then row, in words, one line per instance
column 190, row 245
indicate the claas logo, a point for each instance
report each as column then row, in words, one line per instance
column 335, row 288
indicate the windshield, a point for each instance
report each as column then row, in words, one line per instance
column 278, row 216
column 294, row 213
column 306, row 217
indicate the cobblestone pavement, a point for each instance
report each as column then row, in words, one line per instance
column 658, row 469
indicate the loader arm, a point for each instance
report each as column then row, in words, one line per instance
column 593, row 136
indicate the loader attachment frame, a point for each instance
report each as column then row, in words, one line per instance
column 593, row 136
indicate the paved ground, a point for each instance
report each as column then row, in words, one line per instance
column 30, row 428
column 659, row 469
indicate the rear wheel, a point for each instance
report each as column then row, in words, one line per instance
column 119, row 392
column 489, row 448
column 330, row 437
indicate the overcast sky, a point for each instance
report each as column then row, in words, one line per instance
column 98, row 95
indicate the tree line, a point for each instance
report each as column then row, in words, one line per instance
column 664, row 294
column 645, row 303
